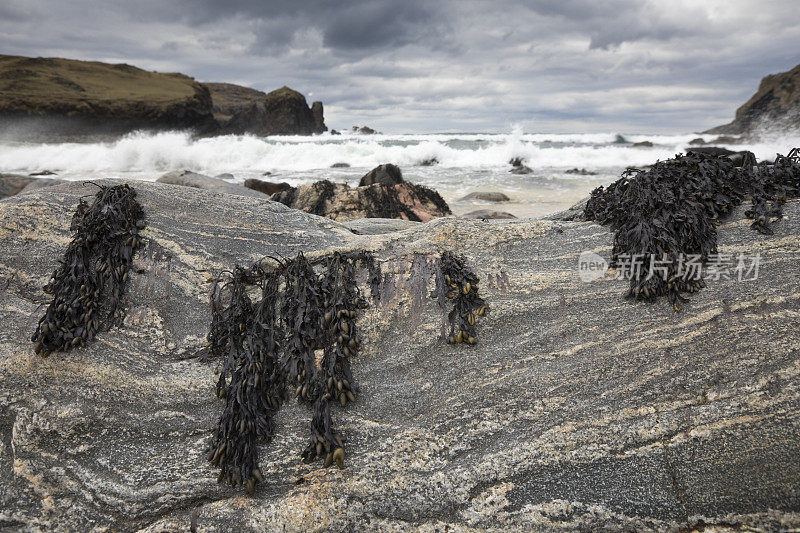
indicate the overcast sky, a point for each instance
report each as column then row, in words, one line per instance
column 438, row 65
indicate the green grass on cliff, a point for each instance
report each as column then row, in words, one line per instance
column 36, row 83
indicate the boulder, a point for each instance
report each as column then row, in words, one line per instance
column 644, row 144
column 387, row 174
column 266, row 187
column 364, row 130
column 52, row 99
column 486, row 197
column 12, row 184
column 339, row 201
column 487, row 214
column 576, row 410
column 521, row 170
column 340, row 165
column 699, row 141
column 188, row 178
column 774, row 107
column 429, row 162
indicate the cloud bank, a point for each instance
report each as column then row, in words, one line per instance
column 422, row 66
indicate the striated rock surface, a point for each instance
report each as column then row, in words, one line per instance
column 774, row 107
column 339, row 201
column 577, row 410
column 187, row 178
column 60, row 99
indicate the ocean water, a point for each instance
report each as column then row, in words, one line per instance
column 467, row 162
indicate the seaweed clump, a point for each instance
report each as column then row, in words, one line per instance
column 88, row 287
column 299, row 334
column 460, row 285
column 286, row 327
column 669, row 213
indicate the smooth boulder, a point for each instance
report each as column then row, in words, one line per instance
column 486, row 197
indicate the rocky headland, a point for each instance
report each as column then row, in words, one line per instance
column 775, row 107
column 53, row 99
column 576, row 410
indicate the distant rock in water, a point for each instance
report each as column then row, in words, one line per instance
column 699, row 141
column 488, row 214
column 51, row 99
column 387, row 174
column 521, row 170
column 580, row 172
column 340, row 202
column 644, row 144
column 431, row 161
column 267, row 187
column 42, row 173
column 241, row 110
column 619, row 139
column 340, row 165
column 774, row 107
column 516, row 162
column 365, row 130
column 486, row 197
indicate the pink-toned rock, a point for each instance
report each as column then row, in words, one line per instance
column 339, row 201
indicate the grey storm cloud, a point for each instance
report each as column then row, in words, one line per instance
column 418, row 65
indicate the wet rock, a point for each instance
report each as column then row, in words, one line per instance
column 644, row 144
column 188, row 178
column 339, row 201
column 364, row 130
column 699, row 141
column 335, row 132
column 576, row 410
column 42, row 173
column 521, row 170
column 486, row 197
column 11, row 184
column 387, row 174
column 580, row 172
column 488, row 214
column 340, row 165
column 431, row 161
column 266, row 187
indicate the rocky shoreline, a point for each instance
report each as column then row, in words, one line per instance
column 575, row 410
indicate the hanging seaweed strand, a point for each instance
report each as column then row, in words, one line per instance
column 88, row 287
column 299, row 335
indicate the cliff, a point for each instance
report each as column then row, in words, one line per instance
column 576, row 410
column 774, row 107
column 51, row 98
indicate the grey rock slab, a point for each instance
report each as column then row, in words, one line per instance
column 577, row 409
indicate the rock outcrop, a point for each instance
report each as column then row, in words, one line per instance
column 339, row 201
column 240, row 110
column 774, row 107
column 387, row 174
column 577, row 410
column 62, row 99
column 13, row 184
